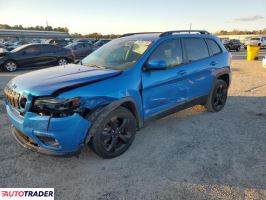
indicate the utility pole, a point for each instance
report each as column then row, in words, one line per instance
column 190, row 25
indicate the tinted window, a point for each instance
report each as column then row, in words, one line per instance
column 49, row 48
column 196, row 49
column 214, row 47
column 86, row 45
column 33, row 49
column 78, row 46
column 169, row 51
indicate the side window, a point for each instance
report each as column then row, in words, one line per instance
column 196, row 49
column 214, row 47
column 169, row 51
column 31, row 49
column 79, row 46
column 48, row 48
column 86, row 45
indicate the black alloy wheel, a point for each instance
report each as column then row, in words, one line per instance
column 217, row 98
column 116, row 134
column 220, row 97
column 113, row 132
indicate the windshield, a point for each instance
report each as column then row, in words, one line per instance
column 117, row 54
column 71, row 45
column 19, row 48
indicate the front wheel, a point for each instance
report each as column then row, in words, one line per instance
column 10, row 66
column 113, row 133
column 62, row 61
column 218, row 96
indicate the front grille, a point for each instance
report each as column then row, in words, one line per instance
column 14, row 98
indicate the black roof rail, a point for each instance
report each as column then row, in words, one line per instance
column 184, row 31
column 129, row 34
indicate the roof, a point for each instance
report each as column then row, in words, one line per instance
column 157, row 35
column 149, row 36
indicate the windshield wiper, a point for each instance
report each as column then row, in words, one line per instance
column 97, row 66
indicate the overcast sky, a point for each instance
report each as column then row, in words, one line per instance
column 121, row 16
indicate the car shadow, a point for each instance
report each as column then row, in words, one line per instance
column 192, row 154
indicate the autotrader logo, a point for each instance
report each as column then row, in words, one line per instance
column 27, row 193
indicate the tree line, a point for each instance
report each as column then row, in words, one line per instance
column 60, row 29
column 34, row 28
column 239, row 32
column 95, row 35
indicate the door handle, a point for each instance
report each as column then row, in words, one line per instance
column 181, row 72
column 213, row 63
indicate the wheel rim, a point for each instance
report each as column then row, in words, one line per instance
column 11, row 66
column 220, row 97
column 116, row 134
column 62, row 61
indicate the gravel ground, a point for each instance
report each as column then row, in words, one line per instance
column 192, row 154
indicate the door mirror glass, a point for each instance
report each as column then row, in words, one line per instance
column 155, row 64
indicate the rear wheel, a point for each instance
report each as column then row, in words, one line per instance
column 10, row 66
column 62, row 61
column 218, row 96
column 113, row 132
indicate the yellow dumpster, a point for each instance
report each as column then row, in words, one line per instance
column 252, row 52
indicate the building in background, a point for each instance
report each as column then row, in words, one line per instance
column 28, row 35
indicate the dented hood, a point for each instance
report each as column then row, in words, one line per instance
column 47, row 81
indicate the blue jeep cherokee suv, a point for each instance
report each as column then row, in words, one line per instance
column 111, row 93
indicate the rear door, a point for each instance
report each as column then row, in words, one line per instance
column 165, row 89
column 49, row 55
column 30, row 56
column 199, row 66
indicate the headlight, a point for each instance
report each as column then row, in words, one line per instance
column 56, row 107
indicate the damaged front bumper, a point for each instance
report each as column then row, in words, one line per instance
column 47, row 135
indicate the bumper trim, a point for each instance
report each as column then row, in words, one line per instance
column 28, row 143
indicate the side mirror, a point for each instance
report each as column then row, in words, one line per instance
column 156, row 65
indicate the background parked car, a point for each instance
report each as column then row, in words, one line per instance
column 34, row 55
column 81, row 49
column 2, row 46
column 255, row 41
column 101, row 42
column 88, row 40
column 16, row 44
column 233, row 45
column 224, row 40
column 57, row 42
column 263, row 42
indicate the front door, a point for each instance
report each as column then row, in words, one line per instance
column 165, row 89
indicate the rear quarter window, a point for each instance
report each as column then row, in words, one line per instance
column 196, row 49
column 214, row 47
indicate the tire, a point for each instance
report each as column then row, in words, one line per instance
column 217, row 98
column 62, row 61
column 113, row 132
column 10, row 66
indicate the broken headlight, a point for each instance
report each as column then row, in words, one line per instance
column 56, row 107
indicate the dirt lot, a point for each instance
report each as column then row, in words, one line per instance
column 192, row 154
